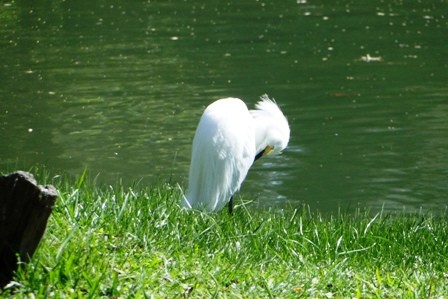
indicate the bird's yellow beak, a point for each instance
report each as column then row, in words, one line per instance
column 267, row 150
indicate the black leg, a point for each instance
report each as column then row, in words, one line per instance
column 231, row 205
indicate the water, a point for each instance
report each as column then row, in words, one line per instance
column 119, row 87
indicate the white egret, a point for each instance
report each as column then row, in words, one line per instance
column 228, row 139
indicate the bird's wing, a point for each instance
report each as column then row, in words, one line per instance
column 223, row 151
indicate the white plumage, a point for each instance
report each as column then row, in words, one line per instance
column 228, row 139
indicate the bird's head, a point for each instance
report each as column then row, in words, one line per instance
column 271, row 128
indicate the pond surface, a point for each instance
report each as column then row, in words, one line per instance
column 119, row 87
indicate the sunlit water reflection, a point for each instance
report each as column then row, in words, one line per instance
column 119, row 88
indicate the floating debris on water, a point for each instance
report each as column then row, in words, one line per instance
column 368, row 58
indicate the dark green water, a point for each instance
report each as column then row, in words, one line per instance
column 119, row 87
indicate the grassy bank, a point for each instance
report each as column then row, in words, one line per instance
column 135, row 243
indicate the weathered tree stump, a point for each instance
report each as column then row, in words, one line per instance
column 24, row 211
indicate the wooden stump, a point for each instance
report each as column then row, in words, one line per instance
column 24, row 211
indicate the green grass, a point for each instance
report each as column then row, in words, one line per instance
column 111, row 242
